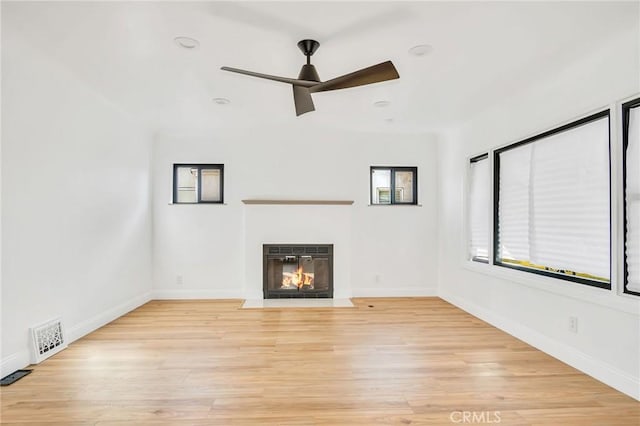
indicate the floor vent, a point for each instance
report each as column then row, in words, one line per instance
column 48, row 339
column 14, row 377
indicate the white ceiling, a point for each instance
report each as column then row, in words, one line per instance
column 482, row 52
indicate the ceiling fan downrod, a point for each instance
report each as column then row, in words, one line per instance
column 308, row 71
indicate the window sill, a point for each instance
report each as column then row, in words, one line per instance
column 197, row 204
column 394, row 205
column 585, row 293
column 299, row 202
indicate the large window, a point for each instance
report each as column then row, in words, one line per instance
column 552, row 203
column 478, row 214
column 631, row 146
column 394, row 185
column 198, row 183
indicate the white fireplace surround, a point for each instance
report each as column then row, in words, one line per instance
column 297, row 224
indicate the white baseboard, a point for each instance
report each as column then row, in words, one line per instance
column 14, row 362
column 168, row 294
column 85, row 327
column 595, row 368
column 188, row 294
column 394, row 292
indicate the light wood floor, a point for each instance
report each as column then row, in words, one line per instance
column 417, row 361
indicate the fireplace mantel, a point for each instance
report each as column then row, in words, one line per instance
column 300, row 202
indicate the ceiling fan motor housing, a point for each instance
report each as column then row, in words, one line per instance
column 308, row 72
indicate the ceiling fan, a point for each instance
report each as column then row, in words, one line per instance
column 308, row 81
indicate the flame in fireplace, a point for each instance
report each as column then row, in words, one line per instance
column 297, row 279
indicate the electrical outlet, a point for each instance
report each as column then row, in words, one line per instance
column 573, row 324
column 178, row 279
column 377, row 278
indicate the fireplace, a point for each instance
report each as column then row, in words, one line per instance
column 297, row 270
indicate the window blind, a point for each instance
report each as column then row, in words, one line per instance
column 513, row 209
column 478, row 215
column 553, row 209
column 632, row 200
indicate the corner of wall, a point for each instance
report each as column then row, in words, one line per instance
column 85, row 327
column 22, row 359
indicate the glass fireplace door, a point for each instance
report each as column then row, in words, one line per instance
column 288, row 276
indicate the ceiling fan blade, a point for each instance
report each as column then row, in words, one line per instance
column 294, row 81
column 374, row 74
column 302, row 99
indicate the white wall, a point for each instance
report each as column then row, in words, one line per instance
column 537, row 309
column 217, row 248
column 77, row 237
column 76, row 202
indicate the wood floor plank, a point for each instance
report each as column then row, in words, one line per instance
column 402, row 361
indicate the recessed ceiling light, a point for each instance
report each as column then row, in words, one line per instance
column 187, row 42
column 221, row 101
column 381, row 104
column 421, row 50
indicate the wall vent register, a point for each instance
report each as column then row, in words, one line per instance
column 48, row 339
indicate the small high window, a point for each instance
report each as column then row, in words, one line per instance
column 394, row 185
column 198, row 183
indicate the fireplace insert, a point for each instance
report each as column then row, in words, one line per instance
column 297, row 270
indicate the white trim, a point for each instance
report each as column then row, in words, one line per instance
column 615, row 199
column 584, row 293
column 87, row 326
column 595, row 368
column 188, row 294
column 396, row 204
column 13, row 362
column 395, row 292
column 194, row 294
